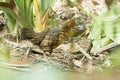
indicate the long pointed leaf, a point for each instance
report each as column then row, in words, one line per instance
column 24, row 7
column 12, row 13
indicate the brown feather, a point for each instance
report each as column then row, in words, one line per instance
column 49, row 39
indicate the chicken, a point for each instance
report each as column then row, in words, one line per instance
column 49, row 39
column 35, row 38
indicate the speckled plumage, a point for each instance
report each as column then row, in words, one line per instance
column 49, row 39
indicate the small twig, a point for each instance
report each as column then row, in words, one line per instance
column 84, row 52
column 18, row 45
column 14, row 65
column 27, row 53
column 109, row 46
column 82, row 58
column 10, row 42
column 17, row 39
column 52, row 61
column 6, row 34
column 15, row 68
column 38, row 51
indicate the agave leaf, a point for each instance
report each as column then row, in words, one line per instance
column 24, row 7
column 10, row 12
column 44, row 5
column 10, row 15
column 29, row 11
column 45, row 19
column 98, row 43
column 38, row 24
column 96, row 31
column 7, row 7
column 111, row 22
column 11, row 22
column 112, row 30
column 109, row 27
column 20, row 5
column 105, row 41
column 19, row 14
column 31, row 15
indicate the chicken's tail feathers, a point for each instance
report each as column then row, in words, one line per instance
column 27, row 33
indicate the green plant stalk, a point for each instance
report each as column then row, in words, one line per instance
column 22, row 15
column 38, row 24
column 11, row 22
column 11, row 13
column 25, row 12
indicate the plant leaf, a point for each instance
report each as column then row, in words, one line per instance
column 38, row 24
column 111, row 22
column 96, row 31
column 11, row 12
column 24, row 7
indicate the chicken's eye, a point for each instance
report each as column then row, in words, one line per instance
column 73, row 23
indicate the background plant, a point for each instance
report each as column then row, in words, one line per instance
column 19, row 13
column 41, row 11
column 107, row 28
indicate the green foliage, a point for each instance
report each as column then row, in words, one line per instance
column 106, row 27
column 25, row 11
column 115, row 53
column 44, row 5
column 41, row 13
column 18, row 15
column 4, row 52
column 115, row 59
column 11, row 23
